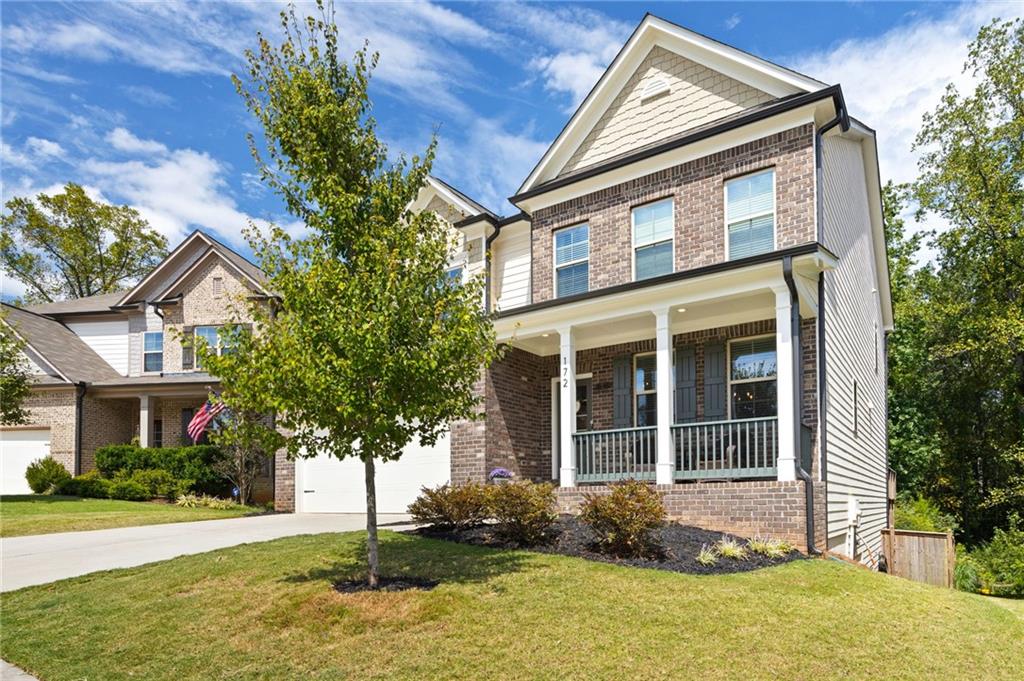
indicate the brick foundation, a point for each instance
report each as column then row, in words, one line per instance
column 776, row 509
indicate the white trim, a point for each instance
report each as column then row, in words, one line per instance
column 144, row 372
column 774, row 211
column 632, row 233
column 728, row 371
column 170, row 256
column 554, row 256
column 452, row 198
column 197, row 264
column 555, row 412
column 652, row 32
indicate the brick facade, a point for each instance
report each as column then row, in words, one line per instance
column 55, row 409
column 106, row 422
column 745, row 508
column 698, row 191
column 284, row 482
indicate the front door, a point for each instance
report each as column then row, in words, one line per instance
column 584, row 415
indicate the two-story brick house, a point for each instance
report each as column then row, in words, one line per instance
column 695, row 293
column 119, row 366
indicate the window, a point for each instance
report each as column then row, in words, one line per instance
column 646, row 389
column 652, row 239
column 218, row 286
column 455, row 275
column 750, row 214
column 753, row 378
column 583, row 391
column 215, row 337
column 572, row 261
column 158, row 433
column 153, row 351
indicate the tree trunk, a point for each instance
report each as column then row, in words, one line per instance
column 371, row 524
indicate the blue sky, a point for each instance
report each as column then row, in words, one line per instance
column 134, row 100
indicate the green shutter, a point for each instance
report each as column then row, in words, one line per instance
column 622, row 391
column 714, row 381
column 686, row 384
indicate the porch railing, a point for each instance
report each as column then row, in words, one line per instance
column 609, row 455
column 741, row 448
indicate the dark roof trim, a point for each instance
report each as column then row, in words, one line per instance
column 492, row 220
column 725, row 266
column 781, row 106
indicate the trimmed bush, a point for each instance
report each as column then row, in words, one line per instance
column 160, row 483
column 128, row 490
column 91, row 485
column 193, row 463
column 525, row 511
column 451, row 506
column 624, row 519
column 45, row 476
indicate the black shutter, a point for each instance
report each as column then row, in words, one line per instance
column 622, row 391
column 186, row 418
column 187, row 352
column 714, row 381
column 686, row 384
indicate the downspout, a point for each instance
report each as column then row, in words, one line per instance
column 80, row 389
column 487, row 266
column 794, row 321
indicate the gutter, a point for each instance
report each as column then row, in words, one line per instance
column 79, row 401
column 794, row 317
column 487, row 266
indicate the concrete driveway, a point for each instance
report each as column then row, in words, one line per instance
column 39, row 559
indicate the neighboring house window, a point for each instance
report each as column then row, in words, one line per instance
column 652, row 239
column 572, row 261
column 153, row 351
column 750, row 214
column 752, row 378
column 646, row 389
column 218, row 286
column 158, row 433
column 455, row 275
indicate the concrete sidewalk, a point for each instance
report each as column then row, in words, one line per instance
column 25, row 561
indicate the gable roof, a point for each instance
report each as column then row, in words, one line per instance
column 457, row 198
column 652, row 31
column 59, row 346
column 179, row 262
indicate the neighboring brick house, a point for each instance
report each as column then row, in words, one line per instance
column 694, row 292
column 114, row 367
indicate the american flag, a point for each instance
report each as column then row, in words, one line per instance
column 202, row 419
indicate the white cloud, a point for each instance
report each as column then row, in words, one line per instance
column 33, row 153
column 147, row 96
column 43, row 148
column 123, row 140
column 732, row 22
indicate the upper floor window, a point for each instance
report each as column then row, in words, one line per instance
column 753, row 367
column 652, row 239
column 153, row 351
column 455, row 275
column 216, row 338
column 646, row 389
column 572, row 261
column 750, row 214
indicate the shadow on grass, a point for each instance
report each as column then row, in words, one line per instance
column 416, row 557
column 36, row 498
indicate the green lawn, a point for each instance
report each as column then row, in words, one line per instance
column 267, row 611
column 38, row 514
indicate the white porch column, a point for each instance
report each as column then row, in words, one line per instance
column 663, row 355
column 145, row 421
column 785, row 352
column 567, row 407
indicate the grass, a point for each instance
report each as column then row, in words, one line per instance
column 268, row 611
column 22, row 515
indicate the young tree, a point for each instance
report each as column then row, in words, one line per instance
column 248, row 440
column 69, row 246
column 369, row 344
column 15, row 378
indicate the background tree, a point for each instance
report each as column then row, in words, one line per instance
column 958, row 353
column 370, row 344
column 15, row 377
column 70, row 246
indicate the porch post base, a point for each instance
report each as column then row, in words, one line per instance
column 666, row 473
column 567, row 477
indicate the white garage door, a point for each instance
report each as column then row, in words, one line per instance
column 326, row 485
column 19, row 448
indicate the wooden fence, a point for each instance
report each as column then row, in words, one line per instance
column 927, row 557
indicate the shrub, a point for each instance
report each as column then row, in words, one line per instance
column 159, row 483
column 45, row 475
column 128, row 490
column 204, row 501
column 707, row 556
column 194, row 464
column 91, row 485
column 451, row 506
column 525, row 510
column 730, row 548
column 189, row 500
column 768, row 547
column 922, row 515
column 625, row 519
column 965, row 574
column 1001, row 562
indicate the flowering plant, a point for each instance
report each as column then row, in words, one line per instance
column 500, row 474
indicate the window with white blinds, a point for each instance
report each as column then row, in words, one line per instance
column 750, row 214
column 652, row 239
column 572, row 261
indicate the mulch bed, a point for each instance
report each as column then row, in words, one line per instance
column 351, row 586
column 680, row 545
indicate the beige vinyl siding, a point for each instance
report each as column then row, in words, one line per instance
column 510, row 260
column 108, row 339
column 856, row 461
column 696, row 95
